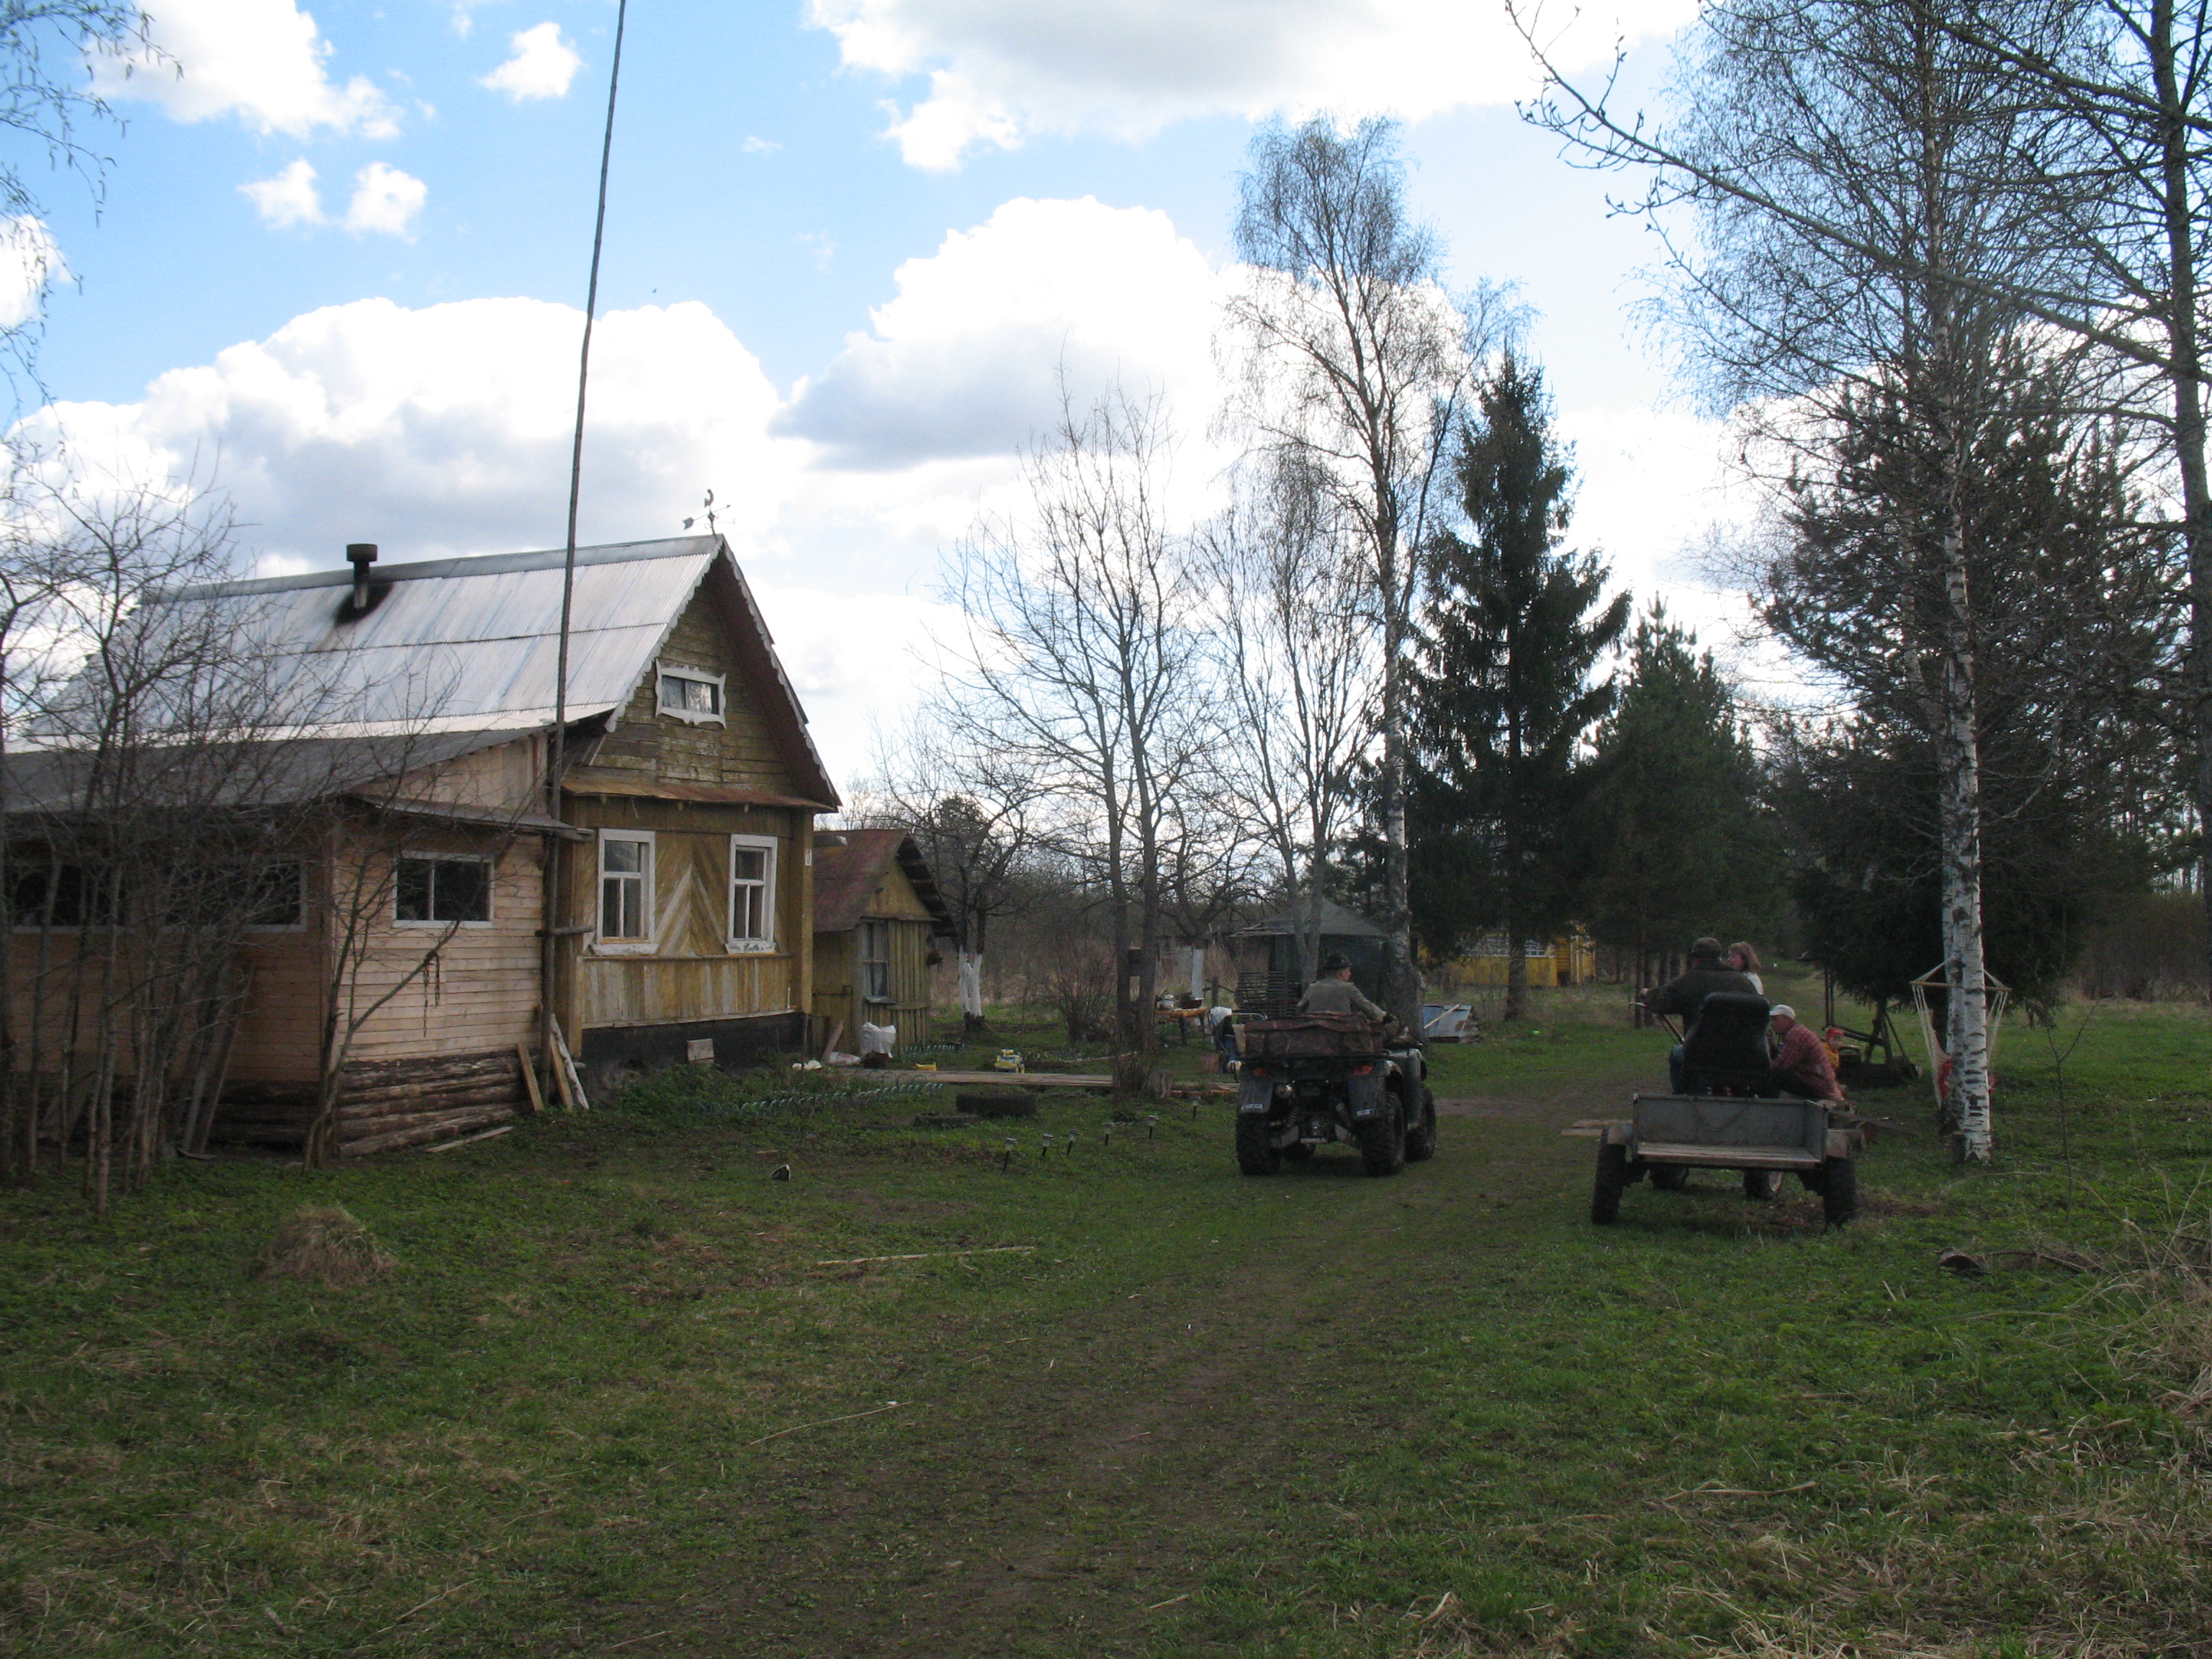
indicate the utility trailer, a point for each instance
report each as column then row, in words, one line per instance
column 1670, row 1135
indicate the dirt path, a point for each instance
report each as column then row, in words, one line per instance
column 1063, row 1492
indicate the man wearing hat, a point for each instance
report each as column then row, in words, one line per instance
column 1803, row 1066
column 1686, row 993
column 1333, row 992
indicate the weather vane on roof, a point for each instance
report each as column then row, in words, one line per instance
column 709, row 505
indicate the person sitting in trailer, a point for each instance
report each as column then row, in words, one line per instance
column 1802, row 1065
column 1685, row 996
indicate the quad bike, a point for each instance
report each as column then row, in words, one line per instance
column 1309, row 1079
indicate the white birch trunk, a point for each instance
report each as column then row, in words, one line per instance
column 1959, row 761
column 968, row 967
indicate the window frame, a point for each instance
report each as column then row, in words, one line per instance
column 625, row 945
column 664, row 671
column 491, row 885
column 300, row 891
column 866, row 962
column 737, row 944
column 83, row 925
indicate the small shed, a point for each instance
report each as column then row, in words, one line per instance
column 1267, row 973
column 875, row 909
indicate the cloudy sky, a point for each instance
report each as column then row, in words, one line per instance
column 341, row 260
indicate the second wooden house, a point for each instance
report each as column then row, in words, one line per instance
column 877, row 916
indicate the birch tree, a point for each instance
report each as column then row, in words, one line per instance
column 1299, row 657
column 1353, row 355
column 1864, row 186
column 1081, row 660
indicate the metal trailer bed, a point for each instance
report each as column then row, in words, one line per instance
column 1670, row 1135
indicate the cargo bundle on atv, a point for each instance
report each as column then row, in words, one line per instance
column 1310, row 1079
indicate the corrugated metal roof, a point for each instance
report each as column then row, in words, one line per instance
column 849, row 865
column 468, row 643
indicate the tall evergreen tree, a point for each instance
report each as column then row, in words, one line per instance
column 1513, row 627
column 1680, row 837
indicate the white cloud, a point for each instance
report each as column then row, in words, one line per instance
column 445, row 431
column 1001, row 70
column 541, row 64
column 965, row 362
column 30, row 262
column 755, row 145
column 289, row 198
column 263, row 59
column 384, row 199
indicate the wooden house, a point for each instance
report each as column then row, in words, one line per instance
column 411, row 710
column 877, row 910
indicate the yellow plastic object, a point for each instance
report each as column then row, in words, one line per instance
column 1008, row 1061
column 925, row 1065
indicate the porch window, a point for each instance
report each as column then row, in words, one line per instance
column 443, row 888
column 691, row 694
column 45, row 894
column 626, row 886
column 876, row 961
column 752, row 893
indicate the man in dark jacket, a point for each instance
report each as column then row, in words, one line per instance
column 1686, row 993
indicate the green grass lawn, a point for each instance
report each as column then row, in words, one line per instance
column 624, row 1393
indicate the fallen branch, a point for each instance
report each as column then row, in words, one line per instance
column 924, row 1255
column 824, row 1423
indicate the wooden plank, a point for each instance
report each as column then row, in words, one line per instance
column 1727, row 1158
column 1010, row 1079
column 481, row 1134
column 398, row 1139
column 530, row 1079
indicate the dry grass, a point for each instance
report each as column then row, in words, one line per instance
column 324, row 1243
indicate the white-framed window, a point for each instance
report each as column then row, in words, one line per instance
column 752, row 893
column 691, row 694
column 436, row 889
column 625, row 889
column 875, row 961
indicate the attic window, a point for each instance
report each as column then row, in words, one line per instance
column 691, row 694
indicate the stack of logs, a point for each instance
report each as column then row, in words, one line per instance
column 387, row 1103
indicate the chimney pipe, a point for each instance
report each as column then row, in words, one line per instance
column 361, row 555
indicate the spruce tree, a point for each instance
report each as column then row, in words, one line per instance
column 1513, row 627
column 1680, row 837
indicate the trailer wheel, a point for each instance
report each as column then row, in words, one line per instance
column 1762, row 1186
column 1612, row 1182
column 1421, row 1140
column 1839, row 1190
column 1382, row 1140
column 1257, row 1152
column 1668, row 1178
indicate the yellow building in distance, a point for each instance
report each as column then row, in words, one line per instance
column 1568, row 959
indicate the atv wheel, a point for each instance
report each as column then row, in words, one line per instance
column 1257, row 1152
column 1612, row 1181
column 1762, row 1186
column 1669, row 1177
column 1421, row 1140
column 1382, row 1140
column 1839, row 1190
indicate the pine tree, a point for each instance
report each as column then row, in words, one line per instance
column 1505, row 699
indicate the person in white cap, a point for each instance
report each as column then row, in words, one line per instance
column 1802, row 1065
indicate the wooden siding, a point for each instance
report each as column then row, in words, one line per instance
column 741, row 751
column 838, row 985
column 689, row 974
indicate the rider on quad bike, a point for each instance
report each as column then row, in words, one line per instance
column 1338, row 1070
